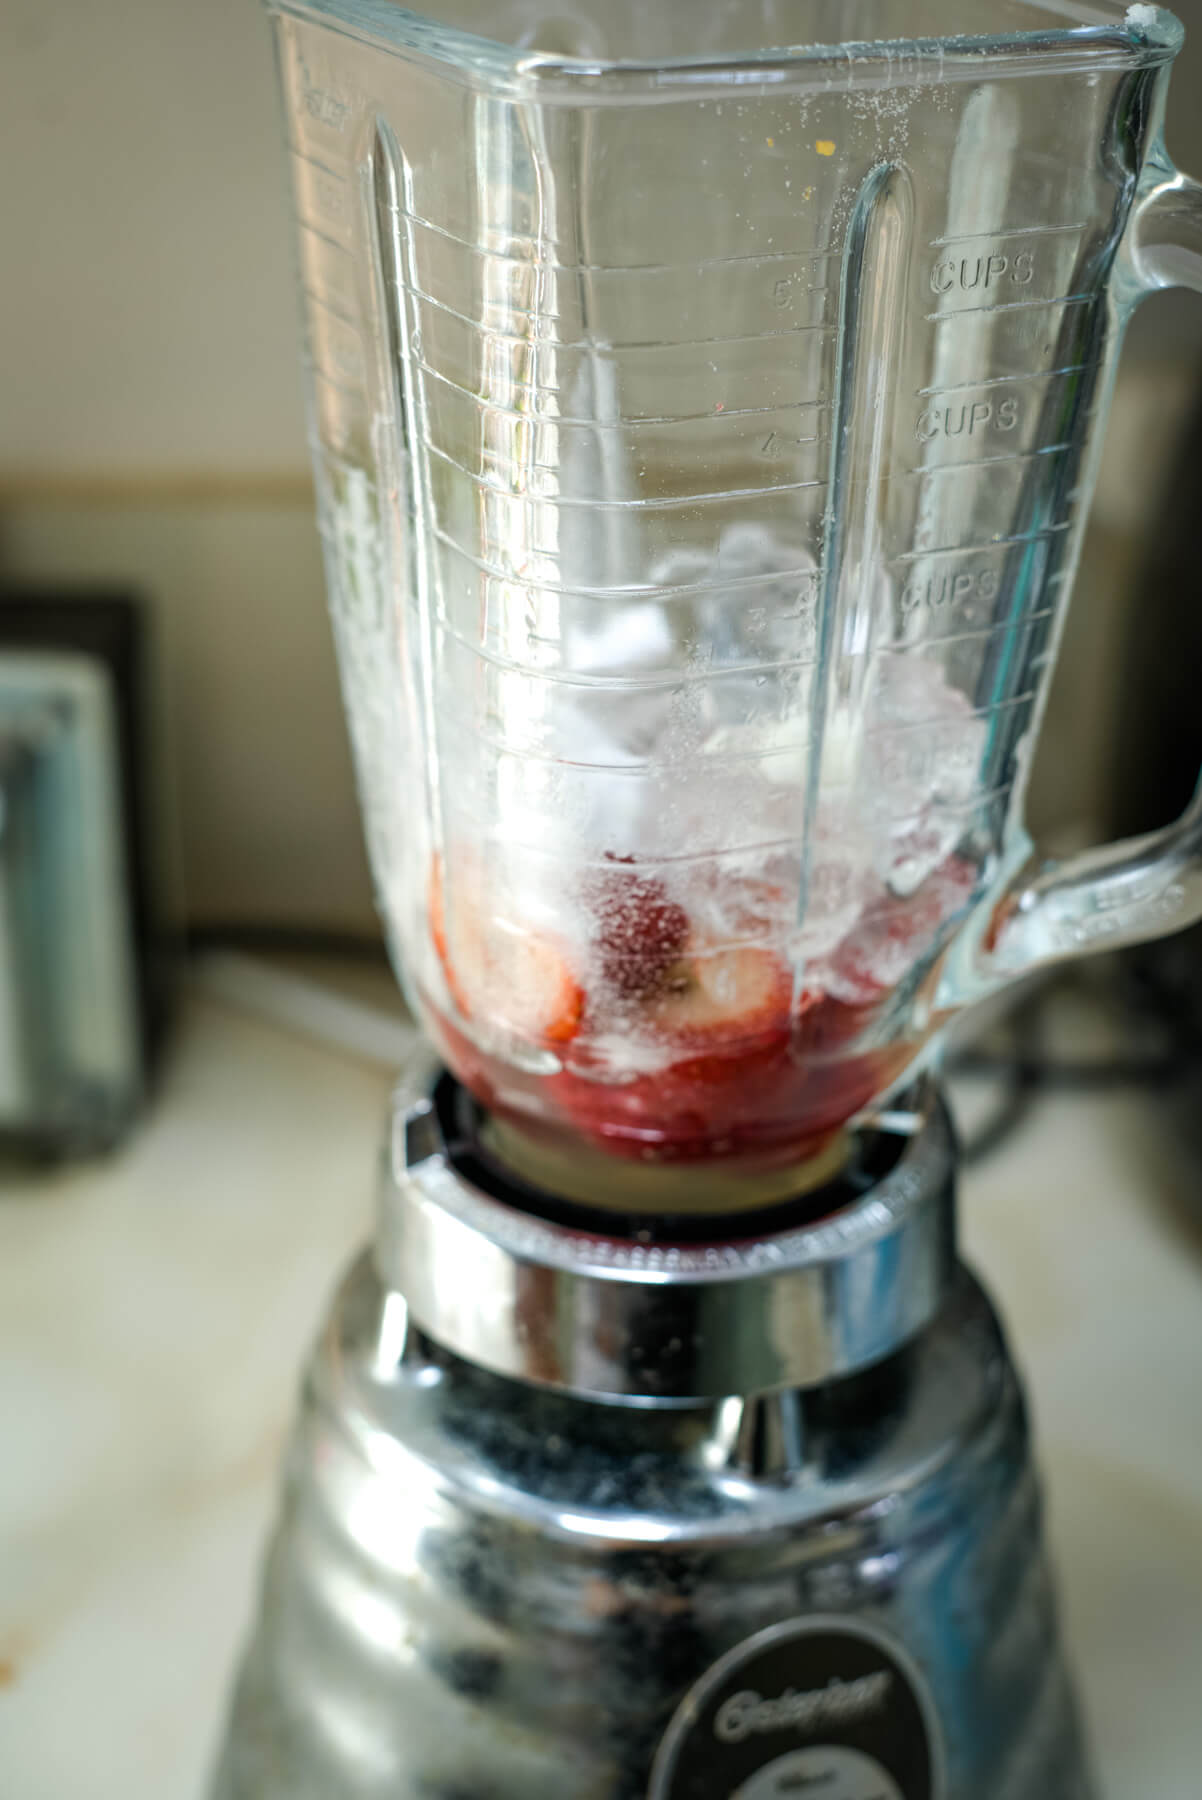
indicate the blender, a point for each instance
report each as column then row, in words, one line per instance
column 704, row 405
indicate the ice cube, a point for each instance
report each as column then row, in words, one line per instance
column 920, row 770
column 839, row 881
column 896, row 936
column 714, row 776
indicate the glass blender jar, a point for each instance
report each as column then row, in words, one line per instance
column 703, row 427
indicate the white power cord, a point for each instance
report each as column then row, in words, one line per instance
column 297, row 1003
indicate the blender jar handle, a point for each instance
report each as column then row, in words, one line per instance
column 1141, row 887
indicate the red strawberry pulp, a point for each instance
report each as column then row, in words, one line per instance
column 640, row 933
column 730, row 1065
column 769, row 1101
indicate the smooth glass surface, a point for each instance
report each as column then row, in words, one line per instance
column 701, row 474
column 676, row 33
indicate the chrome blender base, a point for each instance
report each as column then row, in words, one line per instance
column 572, row 1563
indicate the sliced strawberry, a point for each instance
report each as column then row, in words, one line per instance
column 739, row 909
column 723, row 999
column 497, row 972
column 436, row 914
column 640, row 931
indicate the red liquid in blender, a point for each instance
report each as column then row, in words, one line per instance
column 660, row 1043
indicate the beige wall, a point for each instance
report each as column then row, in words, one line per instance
column 151, row 426
column 147, row 323
column 151, row 431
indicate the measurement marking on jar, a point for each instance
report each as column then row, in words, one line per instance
column 346, row 359
column 811, row 573
column 315, row 231
column 490, row 334
column 328, row 198
column 1001, row 265
column 995, row 628
column 965, row 418
column 315, row 162
column 666, row 679
column 966, row 273
column 325, row 260
column 924, row 752
column 629, row 423
column 777, row 443
column 997, row 543
column 632, row 590
column 1115, row 917
column 549, row 312
column 964, row 312
column 646, row 504
column 714, row 672
column 531, row 752
column 952, row 588
column 322, row 104
column 1010, row 231
column 941, row 724
column 913, row 770
column 982, row 462
column 995, row 381
column 313, row 298
column 537, row 264
column 705, row 859
column 966, row 809
column 352, row 388
column 943, row 594
column 784, row 291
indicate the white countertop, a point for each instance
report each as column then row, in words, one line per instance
column 155, row 1307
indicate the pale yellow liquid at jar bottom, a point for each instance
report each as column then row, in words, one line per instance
column 592, row 1178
